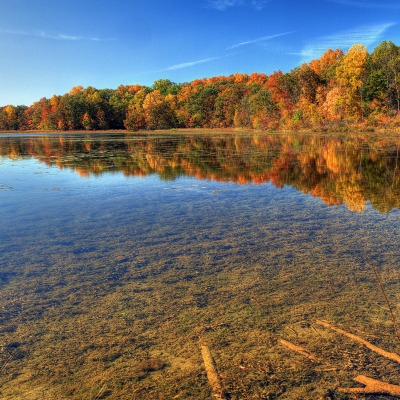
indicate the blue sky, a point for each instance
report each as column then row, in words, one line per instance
column 49, row 46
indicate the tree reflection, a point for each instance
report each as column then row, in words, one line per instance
column 350, row 170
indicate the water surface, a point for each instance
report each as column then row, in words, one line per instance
column 119, row 254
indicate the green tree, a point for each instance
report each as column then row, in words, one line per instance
column 165, row 87
column 386, row 62
column 200, row 104
column 264, row 110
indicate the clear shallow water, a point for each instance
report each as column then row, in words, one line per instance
column 118, row 254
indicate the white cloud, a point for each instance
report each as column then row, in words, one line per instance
column 190, row 64
column 258, row 40
column 222, row 5
column 366, row 35
column 45, row 35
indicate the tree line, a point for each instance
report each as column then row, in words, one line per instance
column 339, row 90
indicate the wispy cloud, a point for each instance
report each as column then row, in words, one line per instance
column 367, row 4
column 258, row 40
column 222, row 5
column 46, row 35
column 191, row 64
column 366, row 35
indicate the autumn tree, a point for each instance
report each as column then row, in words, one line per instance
column 242, row 116
column 13, row 117
column 226, row 104
column 3, row 119
column 308, row 81
column 351, row 76
column 135, row 119
column 284, row 93
column 135, row 115
column 157, row 112
column 325, row 66
column 122, row 99
column 334, row 106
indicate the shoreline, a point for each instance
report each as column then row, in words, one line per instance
column 380, row 131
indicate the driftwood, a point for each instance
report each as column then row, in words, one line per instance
column 372, row 386
column 212, row 374
column 391, row 356
column 298, row 349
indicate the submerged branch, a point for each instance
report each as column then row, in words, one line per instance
column 373, row 386
column 391, row 356
column 297, row 349
column 212, row 374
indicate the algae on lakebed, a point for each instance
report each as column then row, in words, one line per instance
column 109, row 282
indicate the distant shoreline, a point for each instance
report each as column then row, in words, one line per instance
column 203, row 131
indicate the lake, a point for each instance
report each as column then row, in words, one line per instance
column 122, row 255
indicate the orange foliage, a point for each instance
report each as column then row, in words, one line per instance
column 329, row 58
